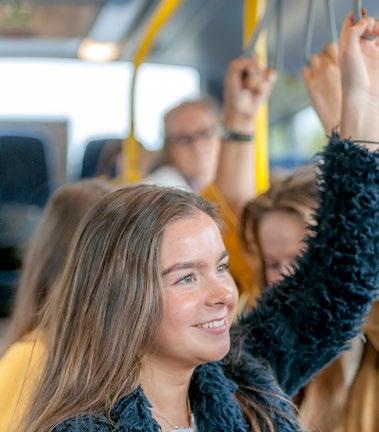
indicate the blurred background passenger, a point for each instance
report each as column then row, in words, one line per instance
column 43, row 264
column 191, row 146
column 274, row 225
column 110, row 159
column 246, row 88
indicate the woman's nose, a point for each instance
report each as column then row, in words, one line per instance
column 221, row 293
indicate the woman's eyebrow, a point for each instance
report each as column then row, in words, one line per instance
column 185, row 265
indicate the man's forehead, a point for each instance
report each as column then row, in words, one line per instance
column 201, row 113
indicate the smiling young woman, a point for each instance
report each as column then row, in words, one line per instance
column 138, row 332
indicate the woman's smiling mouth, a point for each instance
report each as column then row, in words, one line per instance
column 217, row 326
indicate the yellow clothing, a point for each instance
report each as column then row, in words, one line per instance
column 362, row 409
column 20, row 368
column 332, row 404
column 243, row 268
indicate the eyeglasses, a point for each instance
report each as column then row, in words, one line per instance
column 189, row 139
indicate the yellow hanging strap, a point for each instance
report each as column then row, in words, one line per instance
column 160, row 17
column 253, row 10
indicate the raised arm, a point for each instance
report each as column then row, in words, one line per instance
column 247, row 86
column 322, row 79
column 305, row 321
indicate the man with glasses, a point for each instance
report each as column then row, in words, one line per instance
column 191, row 146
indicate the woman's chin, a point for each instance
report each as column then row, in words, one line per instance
column 215, row 354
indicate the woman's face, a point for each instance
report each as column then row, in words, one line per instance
column 199, row 294
column 281, row 237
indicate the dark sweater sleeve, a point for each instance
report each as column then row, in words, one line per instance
column 302, row 323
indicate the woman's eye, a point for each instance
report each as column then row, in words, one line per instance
column 187, row 279
column 223, row 268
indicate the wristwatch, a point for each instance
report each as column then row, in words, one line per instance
column 231, row 135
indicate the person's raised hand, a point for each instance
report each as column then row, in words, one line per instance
column 359, row 63
column 359, row 57
column 247, row 87
column 322, row 79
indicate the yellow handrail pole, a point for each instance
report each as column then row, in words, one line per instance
column 158, row 20
column 130, row 149
column 253, row 10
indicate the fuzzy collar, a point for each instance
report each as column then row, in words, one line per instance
column 212, row 402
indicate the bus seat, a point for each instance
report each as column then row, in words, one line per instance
column 24, row 170
column 25, row 186
column 91, row 157
column 8, row 281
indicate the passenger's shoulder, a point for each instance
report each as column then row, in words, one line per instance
column 167, row 176
column 23, row 353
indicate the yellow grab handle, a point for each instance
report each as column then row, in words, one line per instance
column 158, row 20
column 160, row 17
column 253, row 10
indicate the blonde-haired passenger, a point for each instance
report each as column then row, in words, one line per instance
column 275, row 224
column 24, row 350
column 274, row 228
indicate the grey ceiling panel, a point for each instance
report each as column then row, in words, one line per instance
column 206, row 34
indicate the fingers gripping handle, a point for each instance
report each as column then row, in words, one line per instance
column 358, row 16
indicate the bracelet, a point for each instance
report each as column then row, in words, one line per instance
column 365, row 142
column 231, row 135
column 336, row 133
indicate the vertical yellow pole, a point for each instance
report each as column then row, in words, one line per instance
column 130, row 150
column 253, row 10
column 160, row 17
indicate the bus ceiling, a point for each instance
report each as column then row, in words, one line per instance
column 204, row 34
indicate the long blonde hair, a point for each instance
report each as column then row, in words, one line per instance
column 97, row 321
column 104, row 316
column 296, row 194
column 48, row 250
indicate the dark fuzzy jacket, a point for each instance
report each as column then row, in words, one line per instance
column 298, row 326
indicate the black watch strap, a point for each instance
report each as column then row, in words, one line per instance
column 231, row 135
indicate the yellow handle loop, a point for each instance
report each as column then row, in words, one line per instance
column 158, row 20
column 253, row 10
